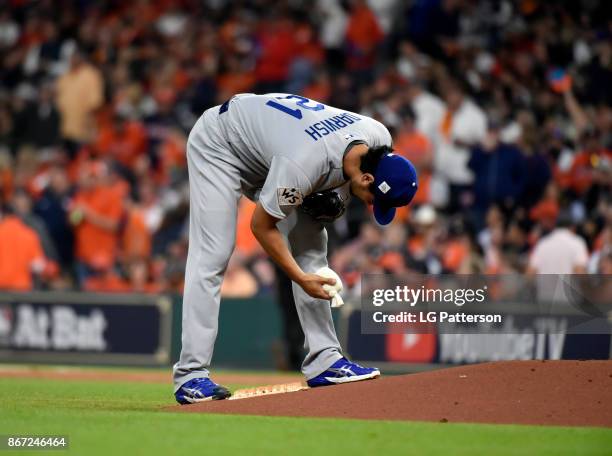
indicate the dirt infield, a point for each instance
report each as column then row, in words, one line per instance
column 572, row 393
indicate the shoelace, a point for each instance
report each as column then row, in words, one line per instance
column 351, row 363
column 199, row 381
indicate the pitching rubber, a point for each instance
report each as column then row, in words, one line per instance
column 268, row 390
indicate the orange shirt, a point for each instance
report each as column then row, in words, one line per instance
column 545, row 209
column 136, row 239
column 580, row 176
column 95, row 245
column 414, row 146
column 231, row 83
column 416, row 245
column 307, row 45
column 318, row 91
column 392, row 261
column 172, row 156
column 277, row 49
column 112, row 283
column 124, row 146
column 402, row 214
column 20, row 250
column 108, row 283
column 417, row 148
column 363, row 30
column 455, row 252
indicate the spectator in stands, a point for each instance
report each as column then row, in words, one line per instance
column 428, row 108
column 410, row 142
column 591, row 169
column 276, row 46
column 363, row 36
column 605, row 262
column 537, row 164
column 602, row 248
column 422, row 240
column 21, row 254
column 234, row 77
column 79, row 94
column 39, row 121
column 95, row 212
column 332, row 32
column 413, row 144
column 106, row 280
column 22, row 207
column 123, row 140
column 138, row 277
column 435, row 26
column 51, row 207
column 499, row 174
column 135, row 240
column 455, row 249
column 362, row 254
column 150, row 205
column 560, row 251
column 463, row 126
column 145, row 71
column 393, row 258
column 238, row 282
column 173, row 274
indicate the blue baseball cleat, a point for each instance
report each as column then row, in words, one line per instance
column 343, row 371
column 200, row 390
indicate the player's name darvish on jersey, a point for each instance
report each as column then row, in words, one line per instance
column 290, row 146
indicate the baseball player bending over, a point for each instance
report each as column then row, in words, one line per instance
column 299, row 160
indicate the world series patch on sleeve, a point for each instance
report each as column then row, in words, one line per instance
column 289, row 197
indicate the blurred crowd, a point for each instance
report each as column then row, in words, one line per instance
column 505, row 108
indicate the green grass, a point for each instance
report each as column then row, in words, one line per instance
column 124, row 418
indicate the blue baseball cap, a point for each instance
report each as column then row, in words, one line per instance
column 395, row 184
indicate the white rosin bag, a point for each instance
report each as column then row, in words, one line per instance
column 332, row 290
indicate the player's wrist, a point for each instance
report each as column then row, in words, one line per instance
column 300, row 277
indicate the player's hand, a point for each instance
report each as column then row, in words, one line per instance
column 313, row 285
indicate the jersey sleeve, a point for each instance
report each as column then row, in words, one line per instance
column 285, row 187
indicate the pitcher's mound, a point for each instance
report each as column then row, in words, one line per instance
column 572, row 393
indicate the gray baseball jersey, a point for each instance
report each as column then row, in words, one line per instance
column 289, row 146
column 277, row 148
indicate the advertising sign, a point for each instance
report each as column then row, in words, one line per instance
column 85, row 328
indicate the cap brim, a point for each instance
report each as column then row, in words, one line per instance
column 383, row 215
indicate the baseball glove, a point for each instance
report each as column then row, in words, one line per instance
column 324, row 206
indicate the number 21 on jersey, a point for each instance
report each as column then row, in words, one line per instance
column 302, row 102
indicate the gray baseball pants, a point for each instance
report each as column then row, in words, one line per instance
column 215, row 188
